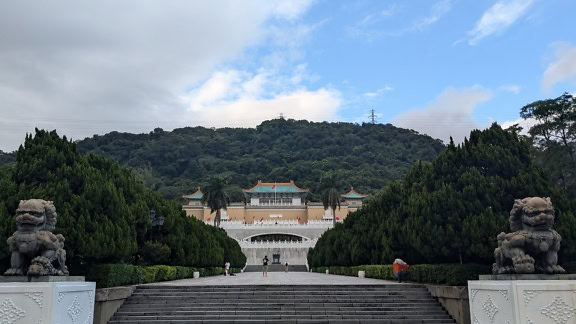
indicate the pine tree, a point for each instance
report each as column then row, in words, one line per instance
column 449, row 210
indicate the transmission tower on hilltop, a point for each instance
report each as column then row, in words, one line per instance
column 372, row 117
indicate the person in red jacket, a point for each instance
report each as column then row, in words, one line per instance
column 400, row 269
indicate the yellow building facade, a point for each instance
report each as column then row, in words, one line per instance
column 269, row 202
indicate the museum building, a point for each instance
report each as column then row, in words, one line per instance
column 275, row 221
column 270, row 202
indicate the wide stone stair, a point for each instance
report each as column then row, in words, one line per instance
column 389, row 303
column 277, row 268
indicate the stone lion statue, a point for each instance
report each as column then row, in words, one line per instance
column 36, row 251
column 533, row 245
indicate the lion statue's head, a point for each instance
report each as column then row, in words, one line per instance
column 532, row 214
column 35, row 215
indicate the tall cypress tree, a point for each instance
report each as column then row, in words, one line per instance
column 102, row 207
column 449, row 210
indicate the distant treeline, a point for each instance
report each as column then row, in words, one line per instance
column 6, row 158
column 366, row 156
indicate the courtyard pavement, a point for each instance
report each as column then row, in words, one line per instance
column 277, row 278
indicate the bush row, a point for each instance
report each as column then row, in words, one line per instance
column 111, row 275
column 447, row 274
column 570, row 267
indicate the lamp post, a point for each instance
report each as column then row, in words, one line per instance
column 157, row 220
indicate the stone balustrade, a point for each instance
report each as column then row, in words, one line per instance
column 288, row 223
column 278, row 244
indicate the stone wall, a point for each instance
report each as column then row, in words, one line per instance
column 294, row 256
column 455, row 301
column 108, row 300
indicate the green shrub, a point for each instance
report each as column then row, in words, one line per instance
column 155, row 252
column 570, row 267
column 164, row 272
column 445, row 274
column 112, row 275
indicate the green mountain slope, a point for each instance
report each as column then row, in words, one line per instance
column 6, row 158
column 366, row 156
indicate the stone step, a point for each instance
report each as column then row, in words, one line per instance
column 408, row 310
column 400, row 286
column 391, row 303
column 431, row 314
column 294, row 321
column 296, row 307
column 402, row 302
column 276, row 268
column 280, row 316
column 167, row 299
column 277, row 293
column 276, row 296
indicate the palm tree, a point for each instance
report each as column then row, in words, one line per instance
column 330, row 195
column 215, row 197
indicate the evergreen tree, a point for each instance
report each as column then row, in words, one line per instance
column 449, row 210
column 102, row 208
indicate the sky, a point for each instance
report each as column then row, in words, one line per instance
column 440, row 67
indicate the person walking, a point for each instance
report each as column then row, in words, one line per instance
column 286, row 267
column 400, row 269
column 265, row 266
column 227, row 268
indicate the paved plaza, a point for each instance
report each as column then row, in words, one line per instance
column 277, row 278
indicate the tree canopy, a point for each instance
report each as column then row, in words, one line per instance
column 103, row 209
column 330, row 195
column 215, row 198
column 449, row 210
column 366, row 156
column 6, row 158
column 554, row 136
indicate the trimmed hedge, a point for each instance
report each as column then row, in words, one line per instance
column 570, row 267
column 111, row 275
column 447, row 274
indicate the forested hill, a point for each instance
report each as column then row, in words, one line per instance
column 365, row 156
column 7, row 157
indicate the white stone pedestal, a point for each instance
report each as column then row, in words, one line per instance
column 47, row 302
column 522, row 301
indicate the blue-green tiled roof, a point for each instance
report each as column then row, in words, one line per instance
column 353, row 195
column 270, row 187
column 197, row 195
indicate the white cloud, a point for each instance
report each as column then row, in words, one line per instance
column 256, row 98
column 371, row 19
column 378, row 92
column 292, row 9
column 512, row 88
column 524, row 123
column 450, row 114
column 369, row 29
column 439, row 9
column 563, row 68
column 92, row 67
column 497, row 18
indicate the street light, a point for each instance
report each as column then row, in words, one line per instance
column 156, row 220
